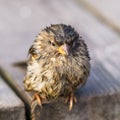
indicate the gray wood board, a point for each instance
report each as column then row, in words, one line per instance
column 104, row 12
column 11, row 107
column 96, row 108
column 110, row 9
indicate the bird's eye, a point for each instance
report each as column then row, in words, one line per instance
column 73, row 44
column 53, row 44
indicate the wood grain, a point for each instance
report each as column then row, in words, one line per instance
column 105, row 11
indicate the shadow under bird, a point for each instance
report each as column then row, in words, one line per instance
column 58, row 63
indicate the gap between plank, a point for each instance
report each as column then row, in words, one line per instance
column 99, row 15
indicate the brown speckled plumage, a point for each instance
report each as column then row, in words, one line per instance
column 54, row 71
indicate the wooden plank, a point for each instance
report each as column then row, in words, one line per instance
column 111, row 10
column 100, row 108
column 107, row 13
column 17, row 89
column 8, row 110
column 21, row 30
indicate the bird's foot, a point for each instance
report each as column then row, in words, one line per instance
column 37, row 97
column 71, row 99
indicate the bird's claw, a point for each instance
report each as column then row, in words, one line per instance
column 38, row 98
column 71, row 99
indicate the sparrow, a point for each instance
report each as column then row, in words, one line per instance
column 58, row 64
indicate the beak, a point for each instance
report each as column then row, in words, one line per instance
column 64, row 49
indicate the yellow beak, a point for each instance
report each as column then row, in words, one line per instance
column 63, row 49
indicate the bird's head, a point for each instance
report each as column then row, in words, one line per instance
column 61, row 39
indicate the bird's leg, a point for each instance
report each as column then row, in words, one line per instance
column 71, row 99
column 37, row 97
column 35, row 100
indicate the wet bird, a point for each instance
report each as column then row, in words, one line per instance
column 59, row 62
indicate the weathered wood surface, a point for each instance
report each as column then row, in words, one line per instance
column 100, row 97
column 18, row 90
column 106, row 11
column 11, row 107
column 110, row 9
